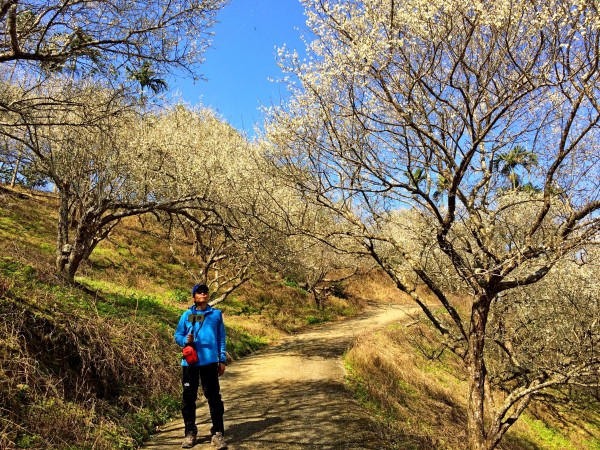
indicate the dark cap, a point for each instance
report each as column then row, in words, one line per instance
column 200, row 288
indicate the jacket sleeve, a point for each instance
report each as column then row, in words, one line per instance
column 180, row 332
column 221, row 339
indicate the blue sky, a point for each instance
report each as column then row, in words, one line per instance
column 242, row 59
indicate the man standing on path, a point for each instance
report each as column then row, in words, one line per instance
column 201, row 328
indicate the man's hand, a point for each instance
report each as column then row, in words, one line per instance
column 221, row 368
column 190, row 338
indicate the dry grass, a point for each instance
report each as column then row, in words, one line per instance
column 97, row 367
column 417, row 400
column 28, row 228
column 376, row 286
column 66, row 370
column 100, row 371
column 418, row 393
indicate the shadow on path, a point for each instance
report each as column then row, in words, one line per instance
column 292, row 396
column 300, row 415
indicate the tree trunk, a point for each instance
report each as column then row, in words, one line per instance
column 197, row 241
column 318, row 301
column 62, row 236
column 476, row 371
column 13, row 180
column 69, row 256
column 87, row 236
column 77, row 255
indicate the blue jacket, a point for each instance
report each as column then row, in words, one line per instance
column 208, row 331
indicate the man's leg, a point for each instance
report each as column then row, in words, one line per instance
column 189, row 381
column 209, row 377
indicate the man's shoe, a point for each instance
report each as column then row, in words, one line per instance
column 189, row 441
column 218, row 441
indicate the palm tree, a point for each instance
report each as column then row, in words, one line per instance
column 148, row 78
column 508, row 163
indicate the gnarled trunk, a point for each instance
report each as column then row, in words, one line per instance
column 475, row 365
column 70, row 255
column 62, row 236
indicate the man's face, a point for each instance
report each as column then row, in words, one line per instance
column 201, row 298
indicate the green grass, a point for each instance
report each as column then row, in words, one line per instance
column 47, row 248
column 106, row 252
column 545, row 436
column 314, row 320
column 179, row 295
column 11, row 268
column 358, row 385
column 105, row 286
column 292, row 283
column 420, row 402
column 240, row 342
column 8, row 226
column 235, row 307
column 141, row 424
column 118, row 301
column 97, row 367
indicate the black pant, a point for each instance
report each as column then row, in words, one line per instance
column 208, row 376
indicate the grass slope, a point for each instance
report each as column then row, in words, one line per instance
column 418, row 394
column 96, row 366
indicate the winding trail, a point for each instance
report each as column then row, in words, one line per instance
column 292, row 395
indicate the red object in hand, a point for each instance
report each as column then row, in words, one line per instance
column 190, row 354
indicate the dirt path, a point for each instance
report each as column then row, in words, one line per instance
column 292, row 396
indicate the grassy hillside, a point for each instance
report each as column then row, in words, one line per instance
column 96, row 366
column 417, row 391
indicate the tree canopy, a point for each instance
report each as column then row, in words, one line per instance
column 410, row 116
column 106, row 35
